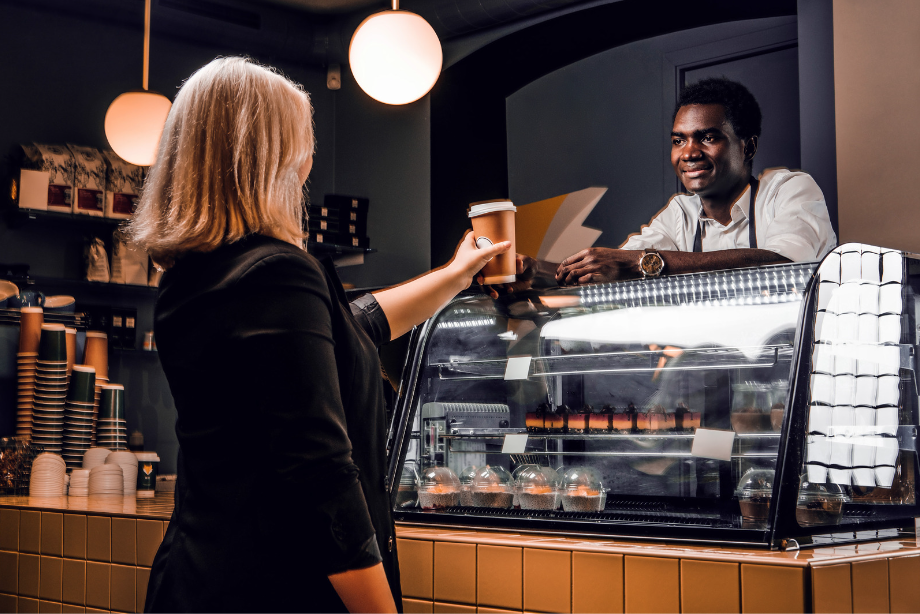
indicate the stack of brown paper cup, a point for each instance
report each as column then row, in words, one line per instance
column 30, row 330
column 96, row 354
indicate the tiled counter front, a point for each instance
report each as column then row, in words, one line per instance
column 478, row 571
column 78, row 554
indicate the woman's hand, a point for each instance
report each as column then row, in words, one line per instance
column 469, row 259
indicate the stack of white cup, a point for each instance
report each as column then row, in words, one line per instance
column 79, row 483
column 95, row 457
column 128, row 463
column 47, row 477
column 106, row 480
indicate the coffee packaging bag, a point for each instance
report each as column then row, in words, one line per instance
column 123, row 185
column 129, row 262
column 97, row 262
column 88, row 181
column 57, row 162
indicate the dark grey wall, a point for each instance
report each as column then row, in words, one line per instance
column 605, row 121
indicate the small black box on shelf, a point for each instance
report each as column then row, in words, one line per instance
column 350, row 221
column 346, row 203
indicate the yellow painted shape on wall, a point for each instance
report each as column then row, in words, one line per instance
column 532, row 221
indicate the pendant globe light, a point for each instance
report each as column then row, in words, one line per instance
column 395, row 56
column 135, row 119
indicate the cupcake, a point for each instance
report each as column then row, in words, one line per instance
column 438, row 488
column 538, row 488
column 492, row 487
column 581, row 490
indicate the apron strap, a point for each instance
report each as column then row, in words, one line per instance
column 752, row 222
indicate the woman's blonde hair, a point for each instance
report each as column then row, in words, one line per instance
column 228, row 162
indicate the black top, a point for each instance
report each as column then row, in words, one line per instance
column 281, row 427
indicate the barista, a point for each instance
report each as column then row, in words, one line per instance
column 729, row 219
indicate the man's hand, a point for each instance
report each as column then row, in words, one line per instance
column 598, row 264
column 525, row 271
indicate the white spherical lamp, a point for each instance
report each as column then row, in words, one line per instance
column 133, row 125
column 395, row 56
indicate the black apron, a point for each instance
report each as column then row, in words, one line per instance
column 752, row 229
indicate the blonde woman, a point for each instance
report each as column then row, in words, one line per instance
column 281, row 503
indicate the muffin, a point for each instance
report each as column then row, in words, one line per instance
column 754, row 492
column 581, row 490
column 438, row 488
column 492, row 487
column 538, row 488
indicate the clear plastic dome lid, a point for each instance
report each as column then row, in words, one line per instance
column 521, row 469
column 438, row 480
column 581, row 481
column 820, row 491
column 409, row 475
column 538, row 480
column 468, row 474
column 756, row 482
column 492, row 478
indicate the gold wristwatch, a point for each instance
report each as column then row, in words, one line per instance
column 651, row 263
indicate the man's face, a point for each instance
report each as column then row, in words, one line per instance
column 707, row 155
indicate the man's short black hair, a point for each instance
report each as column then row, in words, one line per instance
column 741, row 108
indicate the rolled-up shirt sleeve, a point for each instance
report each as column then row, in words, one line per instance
column 369, row 314
column 660, row 232
column 801, row 227
column 304, row 447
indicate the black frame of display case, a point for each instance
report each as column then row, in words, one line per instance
column 864, row 522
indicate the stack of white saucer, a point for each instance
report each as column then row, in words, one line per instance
column 128, row 463
column 79, row 483
column 47, row 478
column 106, row 480
column 95, row 457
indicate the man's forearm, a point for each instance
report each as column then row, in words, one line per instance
column 676, row 263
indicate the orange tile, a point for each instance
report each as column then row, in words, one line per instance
column 454, row 572
column 709, row 586
column 7, row 603
column 28, row 605
column 73, row 585
column 99, row 538
column 75, row 536
column 903, row 576
column 97, row 585
column 547, row 580
column 772, row 588
column 143, row 577
column 416, row 563
column 124, row 541
column 652, row 584
column 447, row 608
column 149, row 536
column 49, row 606
column 72, row 609
column 485, row 610
column 124, row 588
column 9, row 531
column 52, row 533
column 30, row 531
column 49, row 584
column 831, row 588
column 500, row 576
column 29, row 565
column 597, row 582
column 9, row 572
column 94, row 611
column 870, row 582
column 416, row 606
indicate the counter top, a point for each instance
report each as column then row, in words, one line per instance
column 159, row 507
column 881, row 549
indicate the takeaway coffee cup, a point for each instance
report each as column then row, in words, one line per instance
column 147, row 465
column 493, row 222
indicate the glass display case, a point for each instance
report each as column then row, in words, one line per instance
column 774, row 406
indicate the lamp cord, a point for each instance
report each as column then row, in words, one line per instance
column 147, row 41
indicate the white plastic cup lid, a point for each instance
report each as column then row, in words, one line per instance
column 505, row 205
column 95, row 333
column 53, row 327
column 31, row 310
column 84, row 368
column 147, row 457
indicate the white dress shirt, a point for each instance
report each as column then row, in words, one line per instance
column 791, row 220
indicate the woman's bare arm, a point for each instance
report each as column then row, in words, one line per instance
column 364, row 590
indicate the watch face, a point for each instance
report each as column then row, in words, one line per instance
column 652, row 265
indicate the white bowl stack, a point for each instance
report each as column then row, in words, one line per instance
column 47, row 477
column 79, row 483
column 106, row 480
column 128, row 463
column 95, row 457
